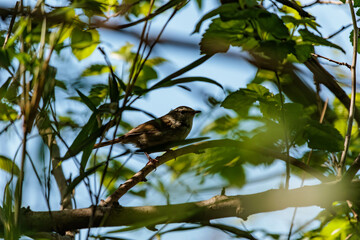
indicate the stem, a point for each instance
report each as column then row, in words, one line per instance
column 18, row 198
column 285, row 132
column 353, row 93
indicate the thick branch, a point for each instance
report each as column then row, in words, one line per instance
column 241, row 206
column 197, row 147
column 324, row 77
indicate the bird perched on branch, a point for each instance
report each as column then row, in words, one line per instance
column 172, row 127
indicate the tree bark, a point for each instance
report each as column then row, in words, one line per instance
column 222, row 206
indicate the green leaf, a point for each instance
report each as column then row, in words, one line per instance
column 317, row 40
column 7, row 113
column 89, row 132
column 323, row 137
column 113, row 90
column 83, row 43
column 219, row 35
column 8, row 165
column 259, row 89
column 271, row 23
column 96, row 69
column 351, row 37
column 240, row 101
column 4, row 58
column 86, row 100
column 356, row 3
column 147, row 73
column 233, row 172
column 4, row 87
column 303, row 52
column 169, row 83
column 222, row 8
column 301, row 21
column 277, row 50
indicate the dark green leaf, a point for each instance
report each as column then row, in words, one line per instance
column 113, row 90
column 277, row 50
column 356, row 3
column 4, row 58
column 323, row 137
column 86, row 137
column 241, row 100
column 222, row 8
column 4, row 87
column 351, row 37
column 169, row 83
column 317, row 40
column 86, row 100
column 272, row 24
column 303, row 52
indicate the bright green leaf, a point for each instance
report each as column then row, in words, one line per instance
column 96, row 69
column 8, row 165
column 83, row 43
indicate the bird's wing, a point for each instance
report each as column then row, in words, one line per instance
column 147, row 127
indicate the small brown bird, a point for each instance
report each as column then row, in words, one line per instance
column 172, row 127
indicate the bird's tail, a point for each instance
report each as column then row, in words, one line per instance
column 103, row 144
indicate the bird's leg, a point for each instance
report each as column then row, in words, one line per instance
column 151, row 160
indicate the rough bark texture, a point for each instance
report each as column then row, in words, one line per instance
column 241, row 206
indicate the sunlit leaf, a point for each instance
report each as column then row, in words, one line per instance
column 96, row 69
column 8, row 165
column 83, row 43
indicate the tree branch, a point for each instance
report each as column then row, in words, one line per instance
column 241, row 206
column 324, row 77
column 197, row 147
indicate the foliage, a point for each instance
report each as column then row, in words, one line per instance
column 278, row 110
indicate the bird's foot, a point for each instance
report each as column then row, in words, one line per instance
column 151, row 160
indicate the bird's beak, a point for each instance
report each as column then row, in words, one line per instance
column 195, row 112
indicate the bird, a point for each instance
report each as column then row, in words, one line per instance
column 172, row 127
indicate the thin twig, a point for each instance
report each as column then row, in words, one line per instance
column 331, row 60
column 340, row 30
column 11, row 24
column 353, row 92
column 322, row 2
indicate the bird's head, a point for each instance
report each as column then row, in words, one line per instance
column 184, row 114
